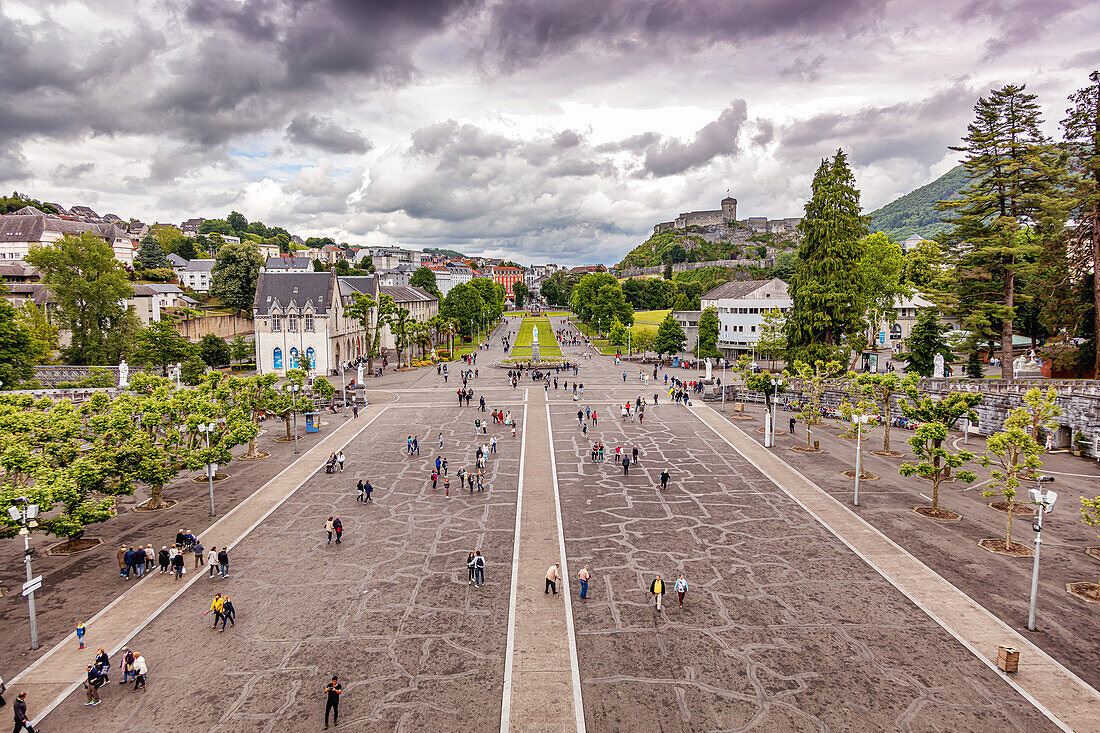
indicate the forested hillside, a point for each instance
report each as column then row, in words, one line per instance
column 915, row 212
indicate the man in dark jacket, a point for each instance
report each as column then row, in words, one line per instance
column 657, row 588
column 228, row 613
column 20, row 710
column 664, row 479
column 223, row 562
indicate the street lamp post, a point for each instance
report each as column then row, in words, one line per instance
column 1045, row 504
column 208, row 428
column 26, row 513
column 293, row 389
column 859, row 420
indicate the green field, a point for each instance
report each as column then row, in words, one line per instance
column 642, row 319
column 649, row 318
column 548, row 345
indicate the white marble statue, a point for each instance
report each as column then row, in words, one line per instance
column 1017, row 365
column 708, row 368
column 359, row 374
column 938, row 372
column 123, row 374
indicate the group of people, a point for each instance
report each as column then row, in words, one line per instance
column 97, row 674
column 335, row 462
column 137, row 561
column 223, row 611
column 475, row 567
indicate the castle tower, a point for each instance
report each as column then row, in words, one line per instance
column 729, row 209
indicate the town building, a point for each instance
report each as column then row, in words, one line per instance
column 397, row 277
column 27, row 227
column 151, row 300
column 506, row 276
column 300, row 314
column 289, row 263
column 196, row 274
column 741, row 306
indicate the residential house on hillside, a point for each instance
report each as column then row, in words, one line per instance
column 268, row 250
column 85, row 214
column 741, row 305
column 288, row 263
column 17, row 271
column 197, row 275
column 398, row 276
column 151, row 299
column 21, row 230
column 300, row 314
column 190, row 228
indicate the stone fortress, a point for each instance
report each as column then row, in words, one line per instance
column 728, row 215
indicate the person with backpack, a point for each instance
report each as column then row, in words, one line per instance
column 338, row 528
column 228, row 612
column 479, row 570
column 127, row 666
column 664, row 479
column 92, row 682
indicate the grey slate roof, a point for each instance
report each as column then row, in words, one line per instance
column 734, row 289
column 407, row 293
column 199, row 266
column 287, row 263
column 300, row 288
column 176, row 260
column 29, row 228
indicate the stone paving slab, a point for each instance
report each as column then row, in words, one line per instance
column 389, row 610
column 1041, row 678
column 784, row 627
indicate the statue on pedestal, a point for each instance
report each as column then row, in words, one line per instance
column 708, row 368
column 938, row 372
column 359, row 374
column 123, row 375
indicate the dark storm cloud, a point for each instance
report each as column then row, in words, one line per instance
column 523, row 32
column 1018, row 21
column 306, row 129
column 920, row 129
column 66, row 173
column 718, row 138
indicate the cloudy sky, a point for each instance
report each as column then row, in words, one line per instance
column 540, row 130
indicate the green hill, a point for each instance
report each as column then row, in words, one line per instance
column 915, row 212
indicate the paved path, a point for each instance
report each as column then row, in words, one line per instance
column 542, row 686
column 50, row 679
column 1044, row 681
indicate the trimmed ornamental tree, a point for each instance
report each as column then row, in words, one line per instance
column 1013, row 452
column 883, row 387
column 935, row 462
column 1041, row 408
column 1090, row 514
column 812, row 379
column 762, row 383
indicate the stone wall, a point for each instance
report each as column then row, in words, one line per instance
column 225, row 326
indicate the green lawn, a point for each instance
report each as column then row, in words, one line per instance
column 548, row 345
column 649, row 318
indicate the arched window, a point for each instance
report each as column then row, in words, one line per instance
column 312, row 359
column 278, row 358
column 895, row 331
column 293, row 358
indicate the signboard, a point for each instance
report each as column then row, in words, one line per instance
column 882, row 337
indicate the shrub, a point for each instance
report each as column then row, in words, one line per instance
column 194, row 369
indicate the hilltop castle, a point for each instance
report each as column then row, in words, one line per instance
column 727, row 215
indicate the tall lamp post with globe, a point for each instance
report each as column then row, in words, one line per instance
column 26, row 514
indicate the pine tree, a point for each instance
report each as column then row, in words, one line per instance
column 928, row 338
column 670, row 337
column 998, row 220
column 827, row 284
column 150, row 255
column 1082, row 142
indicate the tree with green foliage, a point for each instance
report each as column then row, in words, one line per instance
column 1090, row 515
column 644, row 339
column 424, row 279
column 159, row 344
column 214, row 350
column 611, row 306
column 17, row 201
column 616, row 335
column 215, row 226
column 519, row 294
column 241, row 349
column 812, row 379
column 237, row 223
column 925, row 269
column 582, row 300
column 193, row 370
column 235, row 274
column 935, row 462
column 772, row 337
column 1014, row 453
column 464, row 305
column 883, row 271
column 492, row 294
column 150, row 255
column 927, row 338
column 91, row 288
column 708, row 334
column 1082, row 142
column 43, row 334
column 769, row 385
column 884, row 387
column 397, row 321
column 1014, row 195
column 372, row 315
column 743, row 369
column 670, row 337
column 827, row 286
column 17, row 350
column 187, row 249
column 1041, row 408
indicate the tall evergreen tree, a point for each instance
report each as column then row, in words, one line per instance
column 1082, row 142
column 150, row 255
column 999, row 219
column 827, row 284
column 709, row 326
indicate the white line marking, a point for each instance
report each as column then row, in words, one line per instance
column 574, row 666
column 187, row 584
column 943, row 624
column 506, row 699
column 928, row 498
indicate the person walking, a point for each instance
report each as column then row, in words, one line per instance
column 332, row 701
column 163, row 558
column 493, row 444
column 216, row 606
column 441, row 441
column 626, row 465
column 664, row 479
column 681, row 588
column 340, row 460
column 409, row 445
column 177, row 566
column 435, row 478
column 212, row 560
column 337, row 527
column 79, row 634
column 127, row 666
column 447, row 486
column 19, row 707
column 479, row 569
column 228, row 612
column 584, row 576
column 553, row 575
column 367, row 491
column 634, row 455
column 140, row 670
column 122, row 569
column 198, row 550
column 150, row 558
column 657, row 588
column 329, row 528
column 223, row 562
column 359, row 491
column 470, row 569
column 92, row 682
column 416, row 445
column 791, row 423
